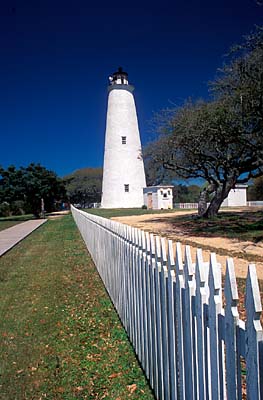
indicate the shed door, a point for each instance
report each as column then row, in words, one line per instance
column 149, row 201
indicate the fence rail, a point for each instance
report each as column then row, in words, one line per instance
column 186, row 205
column 190, row 345
column 255, row 203
column 195, row 205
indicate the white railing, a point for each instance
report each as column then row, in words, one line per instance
column 255, row 203
column 195, row 205
column 189, row 345
column 186, row 205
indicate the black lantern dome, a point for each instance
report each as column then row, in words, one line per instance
column 119, row 77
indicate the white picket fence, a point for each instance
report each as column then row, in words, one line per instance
column 189, row 345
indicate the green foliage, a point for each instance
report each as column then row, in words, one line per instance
column 24, row 188
column 255, row 191
column 186, row 194
column 221, row 140
column 84, row 186
column 155, row 172
column 5, row 209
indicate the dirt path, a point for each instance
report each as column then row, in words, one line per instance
column 58, row 214
column 243, row 252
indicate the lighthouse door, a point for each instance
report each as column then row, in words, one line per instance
column 149, row 201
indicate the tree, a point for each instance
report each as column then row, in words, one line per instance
column 28, row 185
column 220, row 140
column 255, row 191
column 40, row 183
column 155, row 173
column 84, row 186
column 186, row 194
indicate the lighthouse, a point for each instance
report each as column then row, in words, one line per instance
column 123, row 169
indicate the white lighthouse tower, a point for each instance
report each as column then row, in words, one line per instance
column 123, row 170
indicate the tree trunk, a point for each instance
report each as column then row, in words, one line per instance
column 203, row 199
column 202, row 203
column 214, row 206
column 220, row 195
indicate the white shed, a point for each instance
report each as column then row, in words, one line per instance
column 158, row 197
column 237, row 197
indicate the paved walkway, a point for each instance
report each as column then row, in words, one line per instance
column 11, row 236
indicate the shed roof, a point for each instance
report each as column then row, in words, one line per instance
column 160, row 187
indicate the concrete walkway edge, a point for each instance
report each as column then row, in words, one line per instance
column 11, row 236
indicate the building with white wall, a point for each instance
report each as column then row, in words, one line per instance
column 237, row 197
column 123, row 169
column 158, row 197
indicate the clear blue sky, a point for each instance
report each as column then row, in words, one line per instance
column 56, row 57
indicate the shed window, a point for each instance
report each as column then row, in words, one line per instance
column 165, row 195
column 123, row 140
column 169, row 192
column 126, row 188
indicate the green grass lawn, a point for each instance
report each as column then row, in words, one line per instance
column 60, row 335
column 122, row 212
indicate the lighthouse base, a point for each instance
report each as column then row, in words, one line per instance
column 123, row 200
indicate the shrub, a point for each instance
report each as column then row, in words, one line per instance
column 5, row 209
column 18, row 207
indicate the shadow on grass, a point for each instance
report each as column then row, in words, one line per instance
column 246, row 225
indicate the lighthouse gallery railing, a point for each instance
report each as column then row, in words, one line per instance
column 189, row 345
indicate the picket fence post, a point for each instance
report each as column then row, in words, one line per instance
column 171, row 333
column 254, row 335
column 155, row 376
column 231, row 325
column 163, row 275
column 200, row 301
column 178, row 322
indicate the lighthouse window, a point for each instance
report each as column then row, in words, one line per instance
column 126, row 188
column 123, row 139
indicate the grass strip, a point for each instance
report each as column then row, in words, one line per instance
column 7, row 222
column 123, row 212
column 60, row 335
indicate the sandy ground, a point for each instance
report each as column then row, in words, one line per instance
column 160, row 224
column 58, row 214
